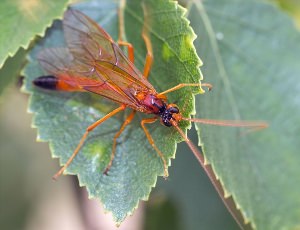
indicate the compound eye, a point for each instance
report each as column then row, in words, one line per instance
column 174, row 110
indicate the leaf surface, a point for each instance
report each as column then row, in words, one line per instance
column 21, row 20
column 61, row 118
column 251, row 55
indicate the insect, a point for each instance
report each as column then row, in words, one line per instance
column 93, row 62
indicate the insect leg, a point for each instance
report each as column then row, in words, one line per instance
column 89, row 129
column 112, row 156
column 121, row 41
column 179, row 86
column 149, row 55
column 130, row 49
column 151, row 141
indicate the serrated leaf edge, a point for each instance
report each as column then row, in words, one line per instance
column 182, row 12
column 27, row 44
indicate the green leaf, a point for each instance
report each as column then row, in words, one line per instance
column 161, row 213
column 251, row 55
column 61, row 118
column 22, row 20
column 11, row 69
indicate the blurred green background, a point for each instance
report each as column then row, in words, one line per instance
column 29, row 199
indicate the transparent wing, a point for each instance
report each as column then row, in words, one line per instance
column 60, row 63
column 55, row 60
column 91, row 45
column 94, row 62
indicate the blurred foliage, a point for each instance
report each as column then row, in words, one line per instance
column 291, row 6
column 251, row 54
column 21, row 21
column 162, row 213
column 11, row 69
